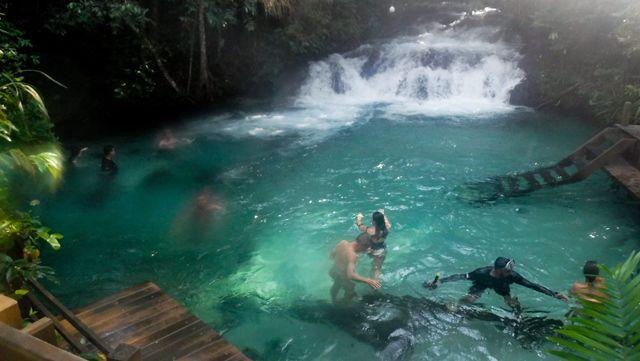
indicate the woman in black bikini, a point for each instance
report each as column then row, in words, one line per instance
column 378, row 232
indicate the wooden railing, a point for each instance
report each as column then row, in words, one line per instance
column 120, row 353
column 16, row 345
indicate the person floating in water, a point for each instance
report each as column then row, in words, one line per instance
column 591, row 289
column 108, row 165
column 206, row 203
column 196, row 218
column 378, row 232
column 343, row 272
column 499, row 278
column 168, row 141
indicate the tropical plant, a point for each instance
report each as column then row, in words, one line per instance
column 30, row 156
column 609, row 329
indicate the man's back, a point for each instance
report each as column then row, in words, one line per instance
column 342, row 255
column 587, row 291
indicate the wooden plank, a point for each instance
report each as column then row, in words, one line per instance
column 122, row 300
column 148, row 326
column 607, row 156
column 17, row 345
column 124, row 315
column 162, row 346
column 626, row 174
column 561, row 172
column 548, row 178
column 150, row 337
column 632, row 130
column 578, row 160
column 533, row 182
column 117, row 308
column 146, row 317
column 110, row 300
column 513, row 184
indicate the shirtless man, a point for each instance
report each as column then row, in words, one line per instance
column 343, row 272
column 591, row 289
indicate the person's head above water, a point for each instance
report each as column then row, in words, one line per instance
column 590, row 271
column 108, row 150
column 363, row 242
column 379, row 224
column 503, row 266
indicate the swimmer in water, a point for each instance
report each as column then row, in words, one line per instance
column 378, row 231
column 591, row 289
column 108, row 166
column 343, row 272
column 168, row 141
column 499, row 278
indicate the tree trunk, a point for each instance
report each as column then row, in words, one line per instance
column 147, row 43
column 204, row 86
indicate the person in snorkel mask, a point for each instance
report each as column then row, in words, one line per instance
column 499, row 278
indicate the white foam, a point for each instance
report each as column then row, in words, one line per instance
column 438, row 73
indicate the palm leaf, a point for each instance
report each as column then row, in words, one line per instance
column 609, row 330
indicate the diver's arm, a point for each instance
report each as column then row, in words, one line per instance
column 536, row 287
column 452, row 278
column 434, row 284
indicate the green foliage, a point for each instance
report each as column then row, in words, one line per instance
column 12, row 47
column 609, row 330
column 29, row 156
column 14, row 273
column 592, row 44
column 249, row 43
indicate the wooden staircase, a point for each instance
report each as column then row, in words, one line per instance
column 608, row 149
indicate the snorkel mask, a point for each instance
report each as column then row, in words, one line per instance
column 504, row 263
column 510, row 265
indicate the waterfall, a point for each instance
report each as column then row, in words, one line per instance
column 441, row 73
column 435, row 73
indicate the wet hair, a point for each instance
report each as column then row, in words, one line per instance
column 107, row 149
column 380, row 225
column 500, row 262
column 591, row 271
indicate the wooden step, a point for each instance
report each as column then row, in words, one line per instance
column 133, row 292
column 561, row 172
column 146, row 317
column 626, row 174
column 533, row 182
column 513, row 184
column 547, row 176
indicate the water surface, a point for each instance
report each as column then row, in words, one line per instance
column 291, row 181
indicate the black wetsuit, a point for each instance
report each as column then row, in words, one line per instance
column 108, row 166
column 482, row 280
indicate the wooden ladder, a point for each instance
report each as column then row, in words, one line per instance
column 604, row 148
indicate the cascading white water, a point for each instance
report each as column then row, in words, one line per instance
column 437, row 73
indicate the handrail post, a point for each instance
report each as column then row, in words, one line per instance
column 626, row 113
column 73, row 320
